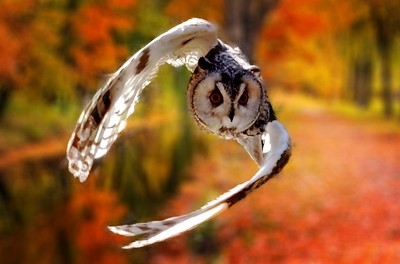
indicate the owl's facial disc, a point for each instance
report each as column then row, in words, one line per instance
column 226, row 106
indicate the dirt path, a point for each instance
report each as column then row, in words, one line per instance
column 337, row 201
column 351, row 170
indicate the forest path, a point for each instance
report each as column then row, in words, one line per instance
column 350, row 170
column 337, row 200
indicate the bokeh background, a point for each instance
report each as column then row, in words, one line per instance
column 333, row 75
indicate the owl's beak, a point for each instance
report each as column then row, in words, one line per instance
column 231, row 113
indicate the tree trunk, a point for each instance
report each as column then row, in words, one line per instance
column 384, row 39
column 5, row 94
column 362, row 90
column 386, row 77
column 244, row 20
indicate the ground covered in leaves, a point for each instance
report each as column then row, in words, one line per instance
column 337, row 201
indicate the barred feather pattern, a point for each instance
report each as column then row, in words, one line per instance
column 157, row 231
column 105, row 116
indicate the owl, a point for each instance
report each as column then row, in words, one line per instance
column 226, row 96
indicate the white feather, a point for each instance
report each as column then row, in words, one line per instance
column 157, row 231
column 181, row 45
column 105, row 116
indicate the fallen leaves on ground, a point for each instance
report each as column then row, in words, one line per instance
column 335, row 202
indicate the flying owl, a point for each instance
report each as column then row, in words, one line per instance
column 226, row 96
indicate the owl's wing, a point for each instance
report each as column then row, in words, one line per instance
column 105, row 115
column 254, row 146
column 156, row 231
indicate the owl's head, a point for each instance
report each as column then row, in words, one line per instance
column 225, row 92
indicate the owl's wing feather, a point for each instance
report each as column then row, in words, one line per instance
column 105, row 115
column 156, row 231
column 254, row 146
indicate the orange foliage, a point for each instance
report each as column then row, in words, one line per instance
column 14, row 36
column 293, row 22
column 300, row 40
column 35, row 35
column 89, row 212
column 10, row 47
column 325, row 207
column 95, row 51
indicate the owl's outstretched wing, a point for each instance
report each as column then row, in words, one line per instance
column 105, row 115
column 156, row 231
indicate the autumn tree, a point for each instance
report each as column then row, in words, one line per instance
column 49, row 48
column 358, row 53
column 244, row 20
column 386, row 25
column 15, row 37
column 371, row 39
column 241, row 20
column 96, row 28
column 295, row 48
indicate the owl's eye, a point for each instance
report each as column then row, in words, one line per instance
column 216, row 97
column 244, row 98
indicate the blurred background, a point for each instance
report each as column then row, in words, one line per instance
column 333, row 74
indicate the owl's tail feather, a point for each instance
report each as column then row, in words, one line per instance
column 156, row 231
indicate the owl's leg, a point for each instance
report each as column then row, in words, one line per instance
column 254, row 147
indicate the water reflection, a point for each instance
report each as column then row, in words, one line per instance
column 53, row 218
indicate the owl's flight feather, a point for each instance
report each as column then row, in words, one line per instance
column 105, row 116
column 156, row 231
